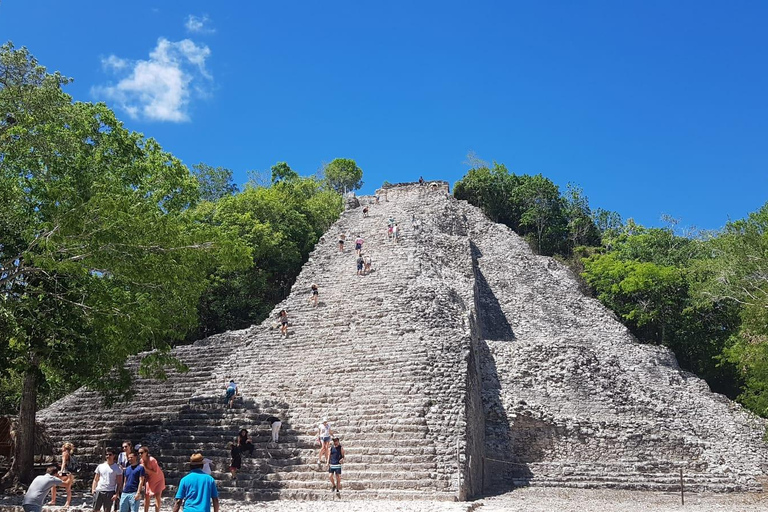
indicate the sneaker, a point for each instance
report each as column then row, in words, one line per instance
column 333, row 489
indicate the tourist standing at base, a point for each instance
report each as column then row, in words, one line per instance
column 107, row 483
column 134, row 480
column 155, row 479
column 38, row 489
column 324, row 434
column 196, row 490
column 334, row 464
column 68, row 467
column 275, row 423
column 122, row 459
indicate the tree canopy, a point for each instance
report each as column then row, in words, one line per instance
column 343, row 175
column 100, row 256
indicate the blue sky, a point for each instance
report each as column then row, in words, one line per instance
column 652, row 107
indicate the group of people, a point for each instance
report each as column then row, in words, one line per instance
column 334, row 454
column 119, row 482
column 244, row 444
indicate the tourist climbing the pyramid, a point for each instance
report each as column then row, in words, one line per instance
column 155, row 479
column 366, row 264
column 396, row 233
column 390, row 227
column 237, row 460
column 230, row 394
column 360, row 263
column 365, row 212
column 342, row 238
column 336, row 458
column 313, row 298
column 275, row 424
column 359, row 244
column 283, row 319
column 324, row 434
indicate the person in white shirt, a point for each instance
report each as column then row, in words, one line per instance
column 324, row 434
column 107, row 483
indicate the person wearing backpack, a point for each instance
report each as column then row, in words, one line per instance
column 69, row 467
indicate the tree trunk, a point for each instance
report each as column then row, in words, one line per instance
column 24, row 447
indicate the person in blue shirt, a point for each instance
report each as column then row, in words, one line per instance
column 134, row 479
column 197, row 490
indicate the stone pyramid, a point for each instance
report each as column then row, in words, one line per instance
column 462, row 363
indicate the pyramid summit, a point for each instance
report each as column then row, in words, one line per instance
column 462, row 362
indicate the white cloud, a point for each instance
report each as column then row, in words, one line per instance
column 197, row 25
column 159, row 89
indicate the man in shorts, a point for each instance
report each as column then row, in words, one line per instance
column 107, row 483
column 334, row 465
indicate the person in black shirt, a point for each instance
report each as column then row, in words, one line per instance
column 334, row 464
column 275, row 423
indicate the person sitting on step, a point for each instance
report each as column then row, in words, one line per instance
column 244, row 442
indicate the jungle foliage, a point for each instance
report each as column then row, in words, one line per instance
column 110, row 246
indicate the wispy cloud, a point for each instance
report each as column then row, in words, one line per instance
column 199, row 25
column 160, row 88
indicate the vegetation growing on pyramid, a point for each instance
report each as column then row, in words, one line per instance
column 703, row 295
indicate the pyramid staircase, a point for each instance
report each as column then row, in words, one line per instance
column 461, row 363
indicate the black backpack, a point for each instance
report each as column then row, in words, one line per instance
column 72, row 465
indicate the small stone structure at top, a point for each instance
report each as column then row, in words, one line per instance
column 461, row 363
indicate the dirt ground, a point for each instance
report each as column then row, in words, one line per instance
column 530, row 499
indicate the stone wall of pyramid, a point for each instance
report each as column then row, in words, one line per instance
column 462, row 362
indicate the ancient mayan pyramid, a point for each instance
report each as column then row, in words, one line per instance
column 462, row 362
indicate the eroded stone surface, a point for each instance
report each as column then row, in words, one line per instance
column 461, row 346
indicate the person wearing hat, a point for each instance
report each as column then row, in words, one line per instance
column 197, row 490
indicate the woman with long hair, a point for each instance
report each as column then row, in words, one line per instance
column 155, row 479
column 67, row 468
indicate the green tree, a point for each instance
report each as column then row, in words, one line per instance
column 214, row 182
column 581, row 226
column 281, row 225
column 542, row 216
column 281, row 171
column 343, row 175
column 99, row 256
column 737, row 274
